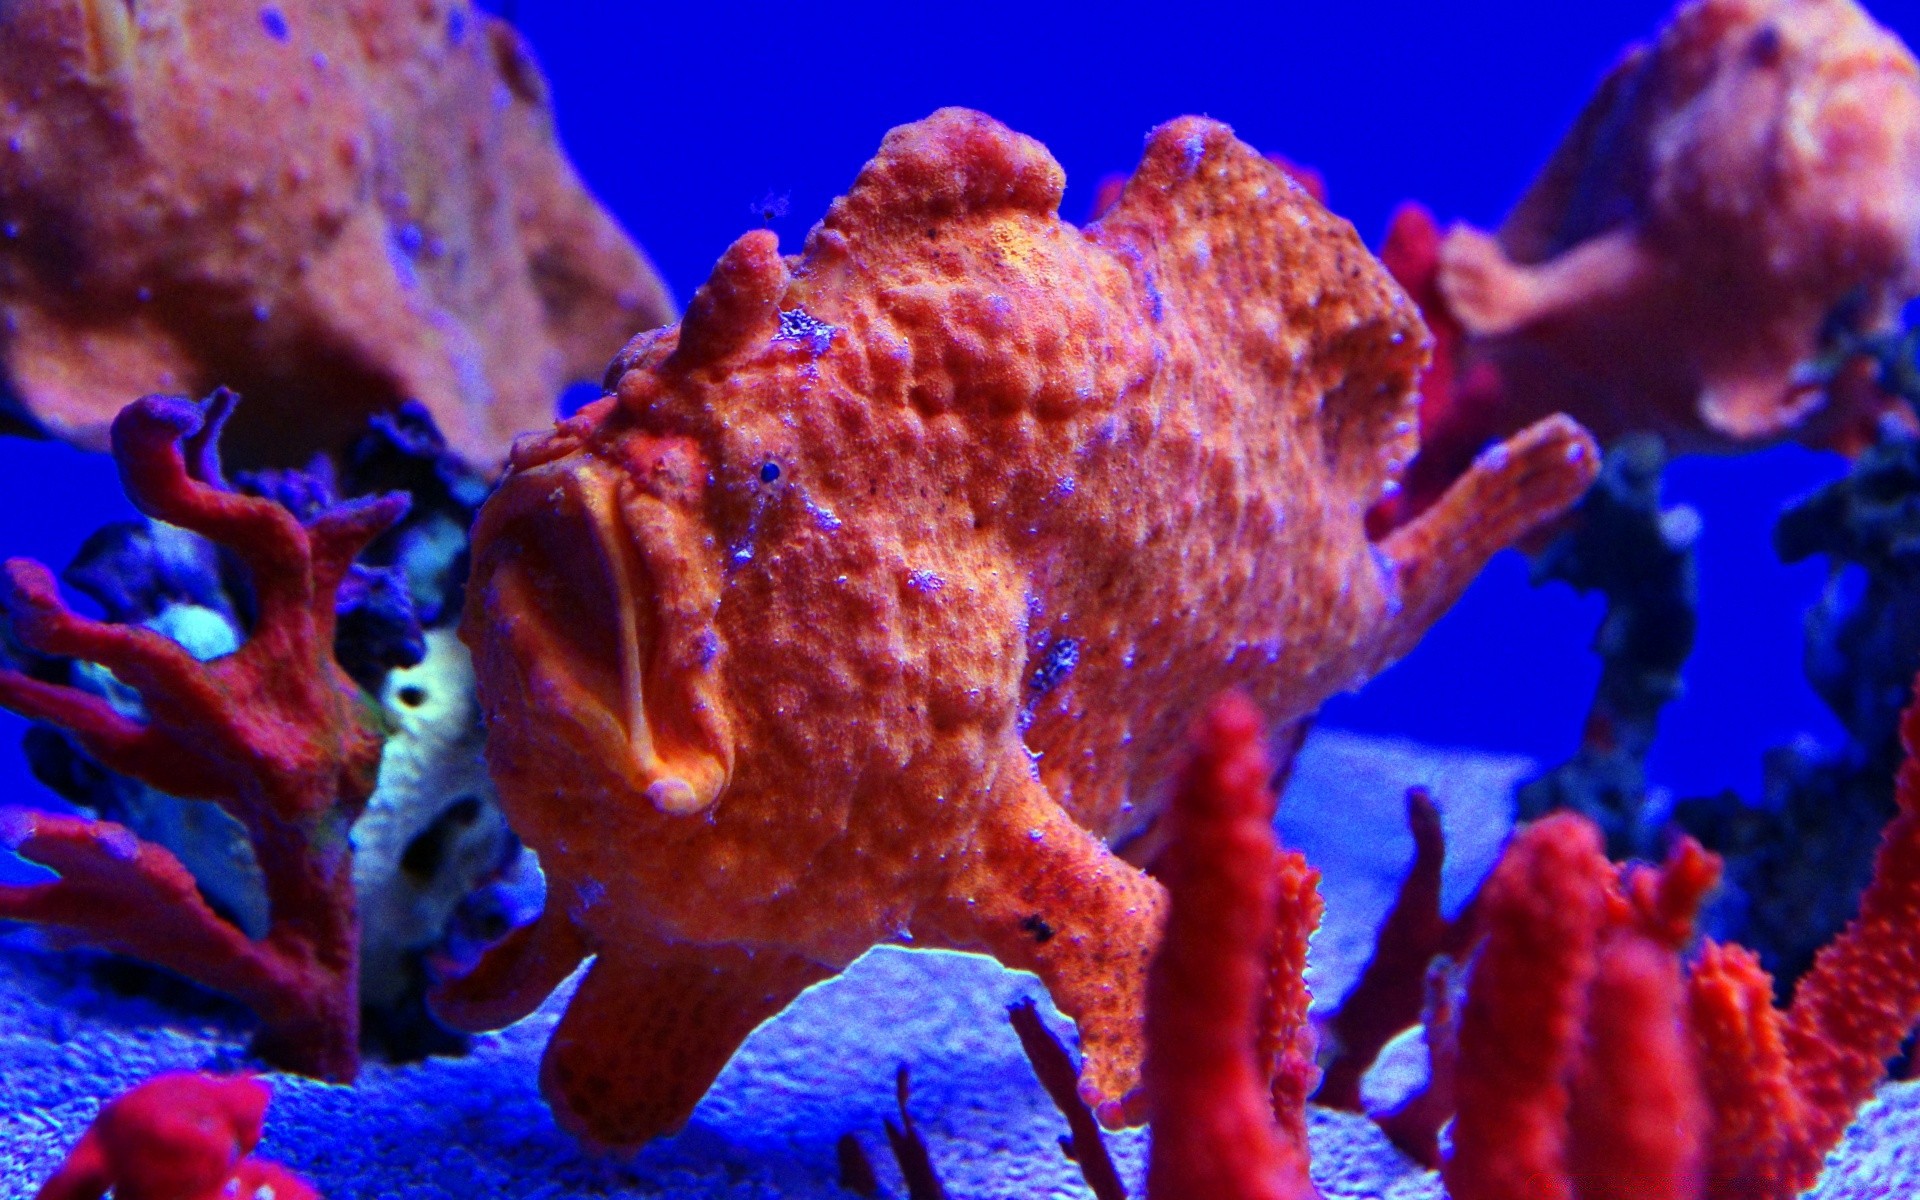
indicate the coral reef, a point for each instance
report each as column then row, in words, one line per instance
column 1731, row 186
column 275, row 733
column 432, row 833
column 872, row 601
column 1587, row 1058
column 179, row 1136
column 331, row 208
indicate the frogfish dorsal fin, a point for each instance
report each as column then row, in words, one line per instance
column 954, row 163
column 738, row 307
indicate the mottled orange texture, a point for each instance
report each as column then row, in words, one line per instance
column 873, row 607
column 331, row 207
column 1731, row 184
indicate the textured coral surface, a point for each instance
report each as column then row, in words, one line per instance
column 330, row 207
column 874, row 604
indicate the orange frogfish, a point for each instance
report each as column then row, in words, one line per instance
column 874, row 603
column 330, row 207
column 1733, row 186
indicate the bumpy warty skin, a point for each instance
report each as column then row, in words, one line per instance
column 1732, row 184
column 875, row 602
column 330, row 207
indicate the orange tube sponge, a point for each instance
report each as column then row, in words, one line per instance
column 330, row 207
column 869, row 608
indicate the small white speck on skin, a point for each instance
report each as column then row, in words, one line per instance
column 1576, row 452
column 1495, row 457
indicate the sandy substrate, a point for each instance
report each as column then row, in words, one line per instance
column 475, row 1126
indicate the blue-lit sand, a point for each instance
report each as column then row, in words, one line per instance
column 475, row 1127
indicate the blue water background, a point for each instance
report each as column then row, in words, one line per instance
column 693, row 121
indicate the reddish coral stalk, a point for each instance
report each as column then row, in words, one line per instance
column 1414, row 1124
column 1526, row 1007
column 1387, row 999
column 1214, row 1135
column 1758, row 1119
column 179, row 1136
column 910, row 1149
column 1056, row 1072
column 1286, row 1042
column 275, row 733
column 1637, row 1119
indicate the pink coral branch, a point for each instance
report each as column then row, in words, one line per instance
column 131, row 897
column 1214, row 1132
column 275, row 733
column 1286, row 1043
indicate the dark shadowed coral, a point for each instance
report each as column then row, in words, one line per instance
column 1054, row 1068
column 1799, row 855
column 275, row 733
column 1391, row 993
column 799, row 644
column 356, row 206
column 910, row 1149
column 179, row 1136
column 1640, row 557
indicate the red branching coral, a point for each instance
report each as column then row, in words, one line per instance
column 1587, row 1060
column 1784, row 1085
column 1214, row 1132
column 1590, row 1063
column 179, row 1136
column 276, row 733
column 1286, row 1043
